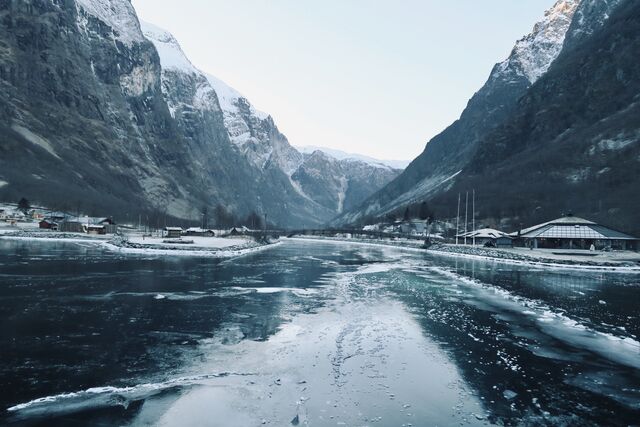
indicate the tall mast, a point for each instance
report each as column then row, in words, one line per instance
column 458, row 220
column 473, row 219
column 466, row 217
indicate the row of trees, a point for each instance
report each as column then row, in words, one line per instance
column 220, row 217
column 224, row 218
column 415, row 211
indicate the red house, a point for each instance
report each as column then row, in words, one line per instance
column 47, row 224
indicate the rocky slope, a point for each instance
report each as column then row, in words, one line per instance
column 98, row 118
column 322, row 184
column 568, row 142
column 573, row 141
column 436, row 169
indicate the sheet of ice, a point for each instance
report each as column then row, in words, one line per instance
column 617, row 348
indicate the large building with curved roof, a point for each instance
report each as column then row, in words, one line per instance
column 572, row 232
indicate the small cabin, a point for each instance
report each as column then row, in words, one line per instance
column 172, row 232
column 71, row 227
column 95, row 229
column 504, row 242
column 202, row 232
column 47, row 224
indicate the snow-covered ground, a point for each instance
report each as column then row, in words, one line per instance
column 135, row 243
column 622, row 261
column 8, row 228
column 198, row 242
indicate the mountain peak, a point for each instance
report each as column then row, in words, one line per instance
column 171, row 55
column 117, row 14
column 343, row 155
column 231, row 100
column 533, row 54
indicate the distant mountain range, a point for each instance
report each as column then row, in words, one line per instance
column 343, row 155
column 105, row 115
column 554, row 129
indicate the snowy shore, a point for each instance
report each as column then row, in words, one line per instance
column 615, row 262
column 212, row 247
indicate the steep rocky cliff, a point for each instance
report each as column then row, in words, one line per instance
column 435, row 170
column 314, row 188
column 573, row 141
column 568, row 142
column 100, row 117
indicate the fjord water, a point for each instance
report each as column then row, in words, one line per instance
column 310, row 333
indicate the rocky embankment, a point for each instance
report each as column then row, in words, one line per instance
column 534, row 258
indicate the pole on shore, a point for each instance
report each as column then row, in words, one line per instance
column 473, row 219
column 458, row 220
column 466, row 217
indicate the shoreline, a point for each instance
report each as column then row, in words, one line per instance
column 230, row 252
column 112, row 246
column 540, row 263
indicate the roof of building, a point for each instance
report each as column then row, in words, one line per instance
column 198, row 230
column 484, row 233
column 572, row 227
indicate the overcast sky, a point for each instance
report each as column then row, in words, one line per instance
column 373, row 77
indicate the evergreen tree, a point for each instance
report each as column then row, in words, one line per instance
column 407, row 214
column 425, row 212
column 24, row 205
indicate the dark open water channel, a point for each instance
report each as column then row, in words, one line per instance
column 315, row 334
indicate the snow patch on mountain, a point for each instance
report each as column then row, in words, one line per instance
column 117, row 14
column 252, row 132
column 533, row 54
column 171, row 55
column 589, row 17
column 230, row 98
column 327, row 184
column 343, row 155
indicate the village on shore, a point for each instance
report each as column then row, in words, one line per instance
column 569, row 240
column 565, row 241
column 35, row 223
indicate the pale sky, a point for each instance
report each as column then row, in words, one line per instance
column 375, row 77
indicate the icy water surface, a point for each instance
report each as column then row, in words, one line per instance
column 310, row 333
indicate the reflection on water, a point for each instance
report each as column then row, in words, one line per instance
column 312, row 333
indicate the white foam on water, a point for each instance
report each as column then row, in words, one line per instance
column 107, row 396
column 623, row 350
column 274, row 290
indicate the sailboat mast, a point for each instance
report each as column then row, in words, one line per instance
column 473, row 219
column 466, row 217
column 458, row 220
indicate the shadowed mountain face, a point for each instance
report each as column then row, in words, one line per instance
column 448, row 153
column 102, row 117
column 573, row 141
column 537, row 141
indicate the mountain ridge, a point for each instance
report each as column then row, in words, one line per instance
column 447, row 154
column 106, row 120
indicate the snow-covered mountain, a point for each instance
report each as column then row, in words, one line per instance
column 444, row 156
column 590, row 16
column 343, row 155
column 110, row 115
column 254, row 135
column 554, row 129
column 533, row 54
